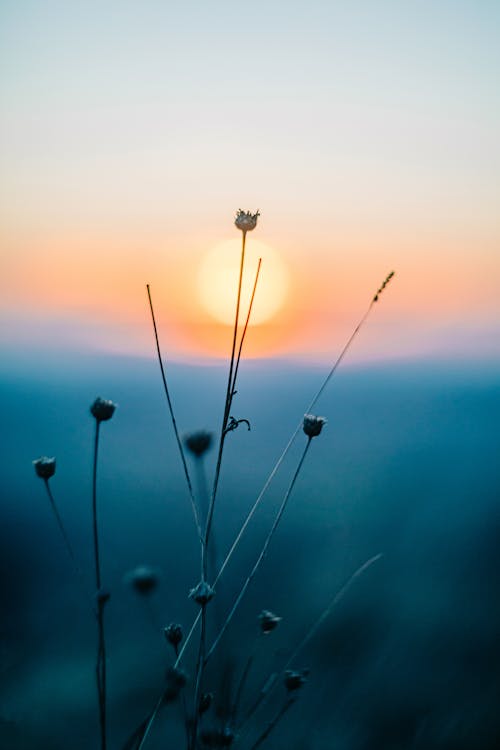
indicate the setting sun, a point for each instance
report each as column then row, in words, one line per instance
column 218, row 275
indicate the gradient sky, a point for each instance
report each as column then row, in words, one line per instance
column 365, row 132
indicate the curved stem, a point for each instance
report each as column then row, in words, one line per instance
column 262, row 555
column 242, row 340
column 172, row 417
column 229, row 398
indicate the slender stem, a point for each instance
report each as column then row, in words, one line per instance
column 238, row 358
column 274, row 721
column 244, row 678
column 101, row 644
column 280, row 460
column 199, row 676
column 67, row 542
column 184, row 704
column 262, row 555
column 310, row 633
column 172, row 417
column 151, row 721
column 274, row 471
column 326, row 612
column 94, row 508
column 229, row 398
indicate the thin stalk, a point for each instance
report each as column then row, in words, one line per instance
column 326, row 612
column 229, row 397
column 101, row 643
column 263, row 697
column 172, row 417
column 151, row 722
column 262, row 554
column 184, row 704
column 280, row 460
column 238, row 358
column 272, row 724
column 199, row 676
column 244, row 678
column 69, row 546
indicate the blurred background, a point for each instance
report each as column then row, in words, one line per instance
column 366, row 134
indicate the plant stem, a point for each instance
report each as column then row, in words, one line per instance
column 101, row 644
column 67, row 542
column 238, row 358
column 244, row 677
column 199, row 676
column 229, row 398
column 262, row 555
column 272, row 724
column 172, row 417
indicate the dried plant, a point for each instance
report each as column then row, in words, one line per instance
column 191, row 693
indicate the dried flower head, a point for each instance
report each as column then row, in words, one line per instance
column 143, row 579
column 102, row 409
column 383, row 286
column 246, row 221
column 198, row 442
column 202, row 593
column 294, row 680
column 268, row 621
column 312, row 425
column 174, row 634
column 45, row 467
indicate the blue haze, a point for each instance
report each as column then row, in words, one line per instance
column 407, row 466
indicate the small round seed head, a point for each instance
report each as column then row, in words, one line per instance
column 143, row 579
column 102, row 409
column 202, row 593
column 312, row 425
column 45, row 467
column 174, row 634
column 198, row 442
column 294, row 680
column 205, row 702
column 245, row 220
column 268, row 621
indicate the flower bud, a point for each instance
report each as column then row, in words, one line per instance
column 295, row 680
column 202, row 593
column 246, row 221
column 173, row 634
column 102, row 409
column 312, row 425
column 143, row 579
column 268, row 621
column 45, row 467
column 198, row 442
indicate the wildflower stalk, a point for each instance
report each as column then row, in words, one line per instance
column 272, row 681
column 67, row 542
column 262, row 554
column 244, row 677
column 174, row 422
column 238, row 358
column 309, row 408
column 289, row 701
column 101, row 641
column 229, row 398
column 286, row 449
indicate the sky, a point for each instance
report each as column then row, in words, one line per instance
column 366, row 133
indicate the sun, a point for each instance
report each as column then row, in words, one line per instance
column 218, row 281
